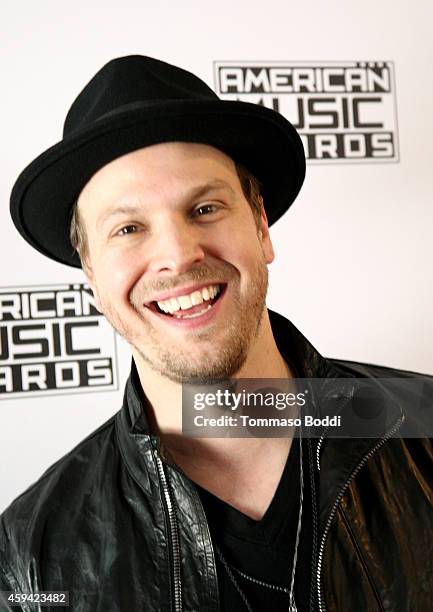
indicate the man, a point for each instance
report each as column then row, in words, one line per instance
column 157, row 182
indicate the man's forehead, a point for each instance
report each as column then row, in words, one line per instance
column 186, row 166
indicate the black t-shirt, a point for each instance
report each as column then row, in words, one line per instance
column 264, row 549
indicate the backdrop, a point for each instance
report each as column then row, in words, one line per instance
column 354, row 254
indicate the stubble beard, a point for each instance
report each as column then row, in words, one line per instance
column 229, row 350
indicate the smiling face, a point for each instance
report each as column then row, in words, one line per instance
column 176, row 260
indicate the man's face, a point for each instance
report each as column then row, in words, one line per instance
column 168, row 226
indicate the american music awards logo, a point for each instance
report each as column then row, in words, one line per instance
column 344, row 111
column 53, row 340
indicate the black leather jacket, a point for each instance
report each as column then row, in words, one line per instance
column 122, row 531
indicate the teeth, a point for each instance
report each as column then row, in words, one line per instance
column 196, row 298
column 173, row 304
column 183, row 302
column 196, row 314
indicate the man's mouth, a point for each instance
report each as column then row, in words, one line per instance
column 189, row 305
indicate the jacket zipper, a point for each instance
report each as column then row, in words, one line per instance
column 315, row 521
column 318, row 449
column 366, row 457
column 173, row 534
column 347, row 399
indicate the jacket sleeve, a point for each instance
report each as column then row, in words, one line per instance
column 5, row 585
column 8, row 580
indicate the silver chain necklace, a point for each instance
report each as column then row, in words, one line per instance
column 230, row 569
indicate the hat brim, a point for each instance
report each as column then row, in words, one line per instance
column 263, row 140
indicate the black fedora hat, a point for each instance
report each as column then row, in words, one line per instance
column 134, row 102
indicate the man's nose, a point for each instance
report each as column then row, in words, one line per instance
column 174, row 248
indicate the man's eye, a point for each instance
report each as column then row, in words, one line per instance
column 127, row 229
column 205, row 209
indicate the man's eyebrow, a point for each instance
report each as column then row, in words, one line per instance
column 116, row 210
column 192, row 194
column 201, row 190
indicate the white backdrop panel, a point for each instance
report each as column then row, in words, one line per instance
column 353, row 266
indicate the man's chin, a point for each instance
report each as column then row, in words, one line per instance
column 199, row 369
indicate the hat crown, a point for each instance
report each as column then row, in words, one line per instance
column 133, row 80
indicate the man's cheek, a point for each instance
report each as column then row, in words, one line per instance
column 116, row 284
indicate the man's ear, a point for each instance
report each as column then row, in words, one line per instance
column 88, row 273
column 264, row 235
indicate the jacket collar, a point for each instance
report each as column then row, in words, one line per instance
column 297, row 350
